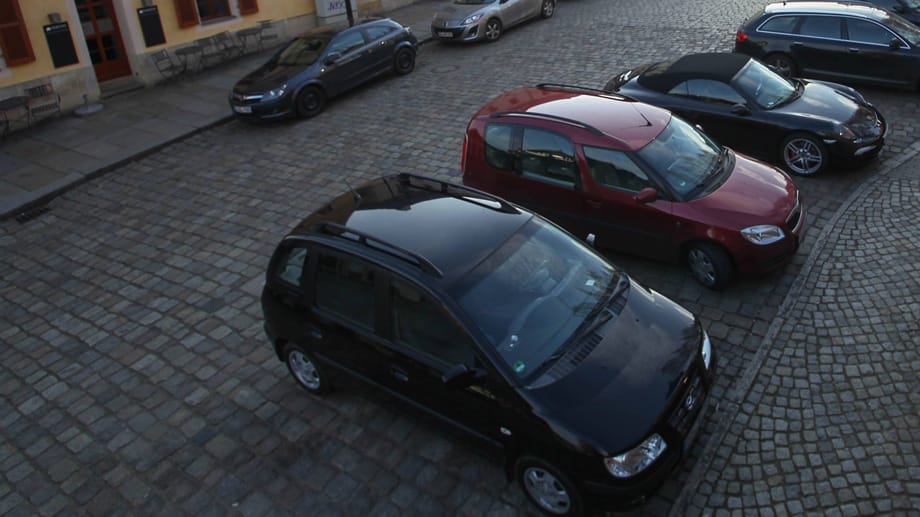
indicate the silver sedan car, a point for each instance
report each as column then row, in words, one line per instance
column 472, row 20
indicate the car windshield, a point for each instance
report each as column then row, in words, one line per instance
column 767, row 88
column 904, row 28
column 684, row 157
column 303, row 51
column 531, row 295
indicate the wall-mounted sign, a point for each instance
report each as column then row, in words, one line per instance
column 60, row 44
column 151, row 26
column 326, row 8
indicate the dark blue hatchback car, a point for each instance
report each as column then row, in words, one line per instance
column 302, row 75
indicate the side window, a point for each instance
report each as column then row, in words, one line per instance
column 375, row 33
column 713, row 91
column 419, row 323
column 821, row 27
column 780, row 24
column 549, row 157
column 862, row 31
column 346, row 42
column 615, row 169
column 346, row 287
column 290, row 269
column 499, row 146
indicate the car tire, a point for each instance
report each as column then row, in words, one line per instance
column 305, row 370
column 493, row 30
column 403, row 61
column 547, row 9
column 803, row 154
column 782, row 64
column 710, row 265
column 547, row 488
column 310, row 102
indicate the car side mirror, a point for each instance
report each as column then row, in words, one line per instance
column 894, row 44
column 332, row 58
column 646, row 195
column 740, row 110
column 460, row 376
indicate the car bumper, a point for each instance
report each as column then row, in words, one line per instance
column 263, row 110
column 458, row 34
column 854, row 152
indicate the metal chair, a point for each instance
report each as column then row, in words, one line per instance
column 43, row 101
column 165, row 65
column 209, row 50
column 227, row 44
column 266, row 32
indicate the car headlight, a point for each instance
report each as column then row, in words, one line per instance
column 636, row 460
column 763, row 234
column 706, row 350
column 274, row 94
column 472, row 19
column 842, row 131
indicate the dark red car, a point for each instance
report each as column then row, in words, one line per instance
column 640, row 179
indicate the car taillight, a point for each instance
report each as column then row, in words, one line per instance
column 740, row 37
column 463, row 155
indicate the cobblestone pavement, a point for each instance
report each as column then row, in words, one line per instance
column 831, row 422
column 134, row 374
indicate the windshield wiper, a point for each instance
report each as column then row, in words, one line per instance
column 718, row 168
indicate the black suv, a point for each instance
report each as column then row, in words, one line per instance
column 849, row 42
column 495, row 320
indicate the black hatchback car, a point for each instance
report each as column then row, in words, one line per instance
column 801, row 125
column 302, row 75
column 497, row 321
column 850, row 42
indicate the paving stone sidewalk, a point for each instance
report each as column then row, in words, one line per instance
column 828, row 420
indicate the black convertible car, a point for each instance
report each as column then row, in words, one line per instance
column 321, row 64
column 739, row 101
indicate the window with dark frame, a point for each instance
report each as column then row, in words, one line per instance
column 14, row 39
column 213, row 9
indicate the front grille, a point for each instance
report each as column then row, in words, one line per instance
column 240, row 98
column 688, row 405
column 793, row 220
column 866, row 124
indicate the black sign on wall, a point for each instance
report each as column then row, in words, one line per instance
column 151, row 25
column 60, row 44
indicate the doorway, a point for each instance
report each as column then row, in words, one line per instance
column 103, row 39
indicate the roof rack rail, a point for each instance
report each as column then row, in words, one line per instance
column 562, row 86
column 381, row 245
column 547, row 116
column 445, row 187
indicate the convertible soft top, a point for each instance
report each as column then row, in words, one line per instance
column 718, row 66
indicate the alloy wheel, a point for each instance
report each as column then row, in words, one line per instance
column 546, row 490
column 548, row 7
column 701, row 266
column 304, row 370
column 803, row 156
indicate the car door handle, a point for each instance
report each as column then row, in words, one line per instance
column 594, row 204
column 853, row 50
column 315, row 333
column 399, row 374
column 796, row 43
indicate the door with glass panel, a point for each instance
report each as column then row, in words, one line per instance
column 103, row 39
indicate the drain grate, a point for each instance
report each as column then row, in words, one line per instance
column 34, row 213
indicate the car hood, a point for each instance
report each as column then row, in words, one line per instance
column 612, row 400
column 754, row 193
column 458, row 11
column 834, row 103
column 267, row 77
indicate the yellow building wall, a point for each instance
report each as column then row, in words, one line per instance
column 35, row 16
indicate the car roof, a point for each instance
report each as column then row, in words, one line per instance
column 629, row 123
column 863, row 9
column 719, row 66
column 451, row 227
column 335, row 28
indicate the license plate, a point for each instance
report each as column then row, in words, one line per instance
column 242, row 109
column 446, row 34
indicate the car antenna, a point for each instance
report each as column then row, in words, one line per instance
column 353, row 191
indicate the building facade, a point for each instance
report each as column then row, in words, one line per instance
column 80, row 46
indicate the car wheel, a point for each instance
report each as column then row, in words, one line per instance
column 547, row 488
column 305, row 370
column 493, row 29
column 710, row 265
column 310, row 102
column 548, row 8
column 804, row 154
column 781, row 64
column 404, row 61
